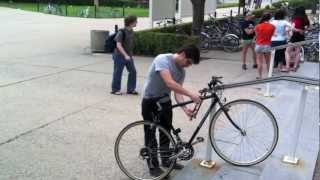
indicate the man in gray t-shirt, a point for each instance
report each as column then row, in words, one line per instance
column 166, row 74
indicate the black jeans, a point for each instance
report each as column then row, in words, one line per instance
column 279, row 56
column 149, row 110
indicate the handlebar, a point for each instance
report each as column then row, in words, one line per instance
column 215, row 80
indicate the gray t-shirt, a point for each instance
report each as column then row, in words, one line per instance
column 154, row 85
column 127, row 44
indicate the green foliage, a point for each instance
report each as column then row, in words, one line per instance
column 305, row 3
column 149, row 42
column 79, row 10
column 280, row 4
column 308, row 4
column 113, row 3
column 185, row 27
column 259, row 12
column 226, row 5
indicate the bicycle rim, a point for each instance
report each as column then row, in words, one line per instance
column 230, row 43
column 261, row 133
column 134, row 158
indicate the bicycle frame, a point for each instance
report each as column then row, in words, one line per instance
column 204, row 118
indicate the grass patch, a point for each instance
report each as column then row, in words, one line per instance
column 226, row 5
column 78, row 10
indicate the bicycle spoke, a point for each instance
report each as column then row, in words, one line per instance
column 258, row 140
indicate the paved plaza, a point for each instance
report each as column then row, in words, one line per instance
column 59, row 122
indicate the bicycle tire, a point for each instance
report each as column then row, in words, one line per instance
column 125, row 163
column 230, row 43
column 219, row 123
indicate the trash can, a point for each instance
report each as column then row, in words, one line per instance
column 98, row 38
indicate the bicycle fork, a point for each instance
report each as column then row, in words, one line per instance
column 225, row 111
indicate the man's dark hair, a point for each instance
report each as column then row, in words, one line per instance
column 280, row 15
column 265, row 17
column 129, row 20
column 192, row 52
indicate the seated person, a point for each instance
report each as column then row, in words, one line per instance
column 292, row 57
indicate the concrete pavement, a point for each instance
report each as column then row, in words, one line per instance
column 57, row 118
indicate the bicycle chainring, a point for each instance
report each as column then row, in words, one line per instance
column 186, row 151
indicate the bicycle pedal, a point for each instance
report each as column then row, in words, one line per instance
column 198, row 140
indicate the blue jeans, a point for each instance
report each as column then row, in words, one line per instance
column 119, row 64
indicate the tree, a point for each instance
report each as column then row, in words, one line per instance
column 198, row 16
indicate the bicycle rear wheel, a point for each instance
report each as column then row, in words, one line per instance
column 135, row 159
column 230, row 43
column 256, row 143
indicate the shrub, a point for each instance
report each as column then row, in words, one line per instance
column 307, row 4
column 259, row 12
column 279, row 4
column 150, row 42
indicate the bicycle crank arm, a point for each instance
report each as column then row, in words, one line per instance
column 199, row 140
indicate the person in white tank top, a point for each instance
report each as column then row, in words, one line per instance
column 280, row 37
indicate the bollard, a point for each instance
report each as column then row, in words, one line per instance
column 231, row 13
column 267, row 93
column 302, row 55
column 291, row 157
column 207, row 162
column 123, row 11
column 66, row 6
column 215, row 14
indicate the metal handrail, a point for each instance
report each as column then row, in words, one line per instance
column 291, row 158
column 294, row 44
column 298, row 79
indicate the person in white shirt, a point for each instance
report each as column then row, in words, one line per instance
column 280, row 37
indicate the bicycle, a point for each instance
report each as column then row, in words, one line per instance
column 211, row 37
column 242, row 132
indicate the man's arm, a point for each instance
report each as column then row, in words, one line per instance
column 122, row 51
column 177, row 88
column 179, row 98
column 249, row 30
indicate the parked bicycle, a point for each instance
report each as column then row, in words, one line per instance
column 232, row 25
column 53, row 9
column 311, row 51
column 211, row 38
column 84, row 12
column 168, row 22
column 242, row 132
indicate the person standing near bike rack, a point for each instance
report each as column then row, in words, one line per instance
column 166, row 74
column 283, row 27
column 248, row 34
column 264, row 32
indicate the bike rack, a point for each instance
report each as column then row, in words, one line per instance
column 273, row 49
column 291, row 157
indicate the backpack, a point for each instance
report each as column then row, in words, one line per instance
column 111, row 44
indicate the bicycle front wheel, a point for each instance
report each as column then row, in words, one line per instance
column 144, row 161
column 257, row 140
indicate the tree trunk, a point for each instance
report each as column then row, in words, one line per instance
column 198, row 16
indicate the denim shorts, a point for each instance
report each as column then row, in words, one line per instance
column 262, row 48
